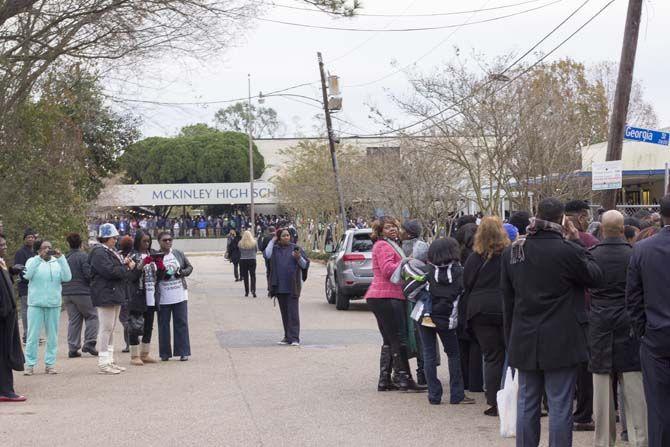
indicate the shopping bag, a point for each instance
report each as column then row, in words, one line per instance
column 507, row 400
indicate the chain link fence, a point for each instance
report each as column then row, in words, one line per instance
column 629, row 210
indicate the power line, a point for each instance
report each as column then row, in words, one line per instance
column 202, row 103
column 437, row 14
column 372, row 36
column 426, row 54
column 507, row 83
column 403, row 30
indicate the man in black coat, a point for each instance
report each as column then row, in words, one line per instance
column 614, row 349
column 648, row 305
column 11, row 354
column 543, row 278
column 21, row 259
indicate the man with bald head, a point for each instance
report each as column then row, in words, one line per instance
column 614, row 348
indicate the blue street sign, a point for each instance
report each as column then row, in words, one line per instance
column 647, row 136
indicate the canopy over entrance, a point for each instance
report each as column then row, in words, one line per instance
column 188, row 194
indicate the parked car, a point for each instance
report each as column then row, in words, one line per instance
column 349, row 269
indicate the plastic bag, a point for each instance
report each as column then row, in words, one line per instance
column 507, row 399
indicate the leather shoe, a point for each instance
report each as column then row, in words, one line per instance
column 13, row 398
column 584, row 426
column 74, row 354
column 90, row 349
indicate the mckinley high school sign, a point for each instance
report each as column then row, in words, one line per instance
column 188, row 194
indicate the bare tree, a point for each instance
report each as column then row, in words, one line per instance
column 464, row 127
column 640, row 112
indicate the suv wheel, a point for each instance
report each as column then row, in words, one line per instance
column 330, row 291
column 341, row 300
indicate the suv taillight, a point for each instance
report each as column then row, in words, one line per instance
column 354, row 257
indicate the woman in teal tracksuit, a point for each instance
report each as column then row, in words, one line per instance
column 45, row 274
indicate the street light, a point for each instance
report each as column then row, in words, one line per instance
column 252, row 214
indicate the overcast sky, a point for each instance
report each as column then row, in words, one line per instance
column 280, row 56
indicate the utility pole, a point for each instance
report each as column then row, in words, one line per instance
column 622, row 94
column 331, row 144
column 252, row 214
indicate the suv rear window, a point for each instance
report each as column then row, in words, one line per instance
column 361, row 243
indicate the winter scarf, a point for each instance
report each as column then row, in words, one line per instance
column 536, row 225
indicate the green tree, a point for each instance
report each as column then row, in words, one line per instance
column 264, row 121
column 54, row 153
column 199, row 154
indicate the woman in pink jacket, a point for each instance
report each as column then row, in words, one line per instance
column 387, row 302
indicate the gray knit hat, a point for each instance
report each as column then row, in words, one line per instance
column 413, row 228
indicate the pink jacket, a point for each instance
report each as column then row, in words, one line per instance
column 385, row 260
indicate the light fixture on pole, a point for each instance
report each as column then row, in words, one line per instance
column 252, row 214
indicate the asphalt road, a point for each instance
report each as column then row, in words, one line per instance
column 240, row 388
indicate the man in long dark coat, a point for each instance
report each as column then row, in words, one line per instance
column 11, row 354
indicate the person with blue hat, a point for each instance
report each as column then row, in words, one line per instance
column 512, row 231
column 109, row 272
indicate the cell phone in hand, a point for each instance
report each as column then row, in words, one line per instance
column 51, row 252
column 296, row 249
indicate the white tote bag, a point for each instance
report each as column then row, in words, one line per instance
column 507, row 399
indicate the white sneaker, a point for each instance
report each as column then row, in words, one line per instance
column 107, row 369
column 283, row 341
column 295, row 343
column 28, row 371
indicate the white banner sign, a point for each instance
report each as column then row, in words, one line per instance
column 188, row 194
column 606, row 175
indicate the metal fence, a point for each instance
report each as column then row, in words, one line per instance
column 629, row 210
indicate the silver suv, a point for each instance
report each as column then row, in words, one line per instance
column 349, row 269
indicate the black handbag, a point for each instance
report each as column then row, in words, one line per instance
column 136, row 324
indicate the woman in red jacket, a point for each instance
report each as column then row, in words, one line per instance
column 387, row 302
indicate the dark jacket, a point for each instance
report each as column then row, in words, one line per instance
column 481, row 281
column 543, row 302
column 647, row 292
column 445, row 285
column 233, row 250
column 80, row 284
column 137, row 298
column 612, row 345
column 11, row 352
column 109, row 278
column 286, row 275
column 21, row 258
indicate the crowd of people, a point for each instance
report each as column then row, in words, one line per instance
column 189, row 226
column 121, row 279
column 576, row 306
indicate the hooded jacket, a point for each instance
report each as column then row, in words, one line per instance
column 445, row 284
column 45, row 280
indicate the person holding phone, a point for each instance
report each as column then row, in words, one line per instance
column 142, row 300
column 172, row 299
column 45, row 274
column 288, row 269
column 109, row 276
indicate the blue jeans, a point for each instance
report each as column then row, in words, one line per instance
column 560, row 387
column 450, row 342
column 425, row 297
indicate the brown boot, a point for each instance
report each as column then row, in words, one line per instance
column 145, row 349
column 135, row 355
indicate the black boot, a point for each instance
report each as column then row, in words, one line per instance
column 385, row 364
column 126, row 338
column 405, row 380
column 420, row 377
